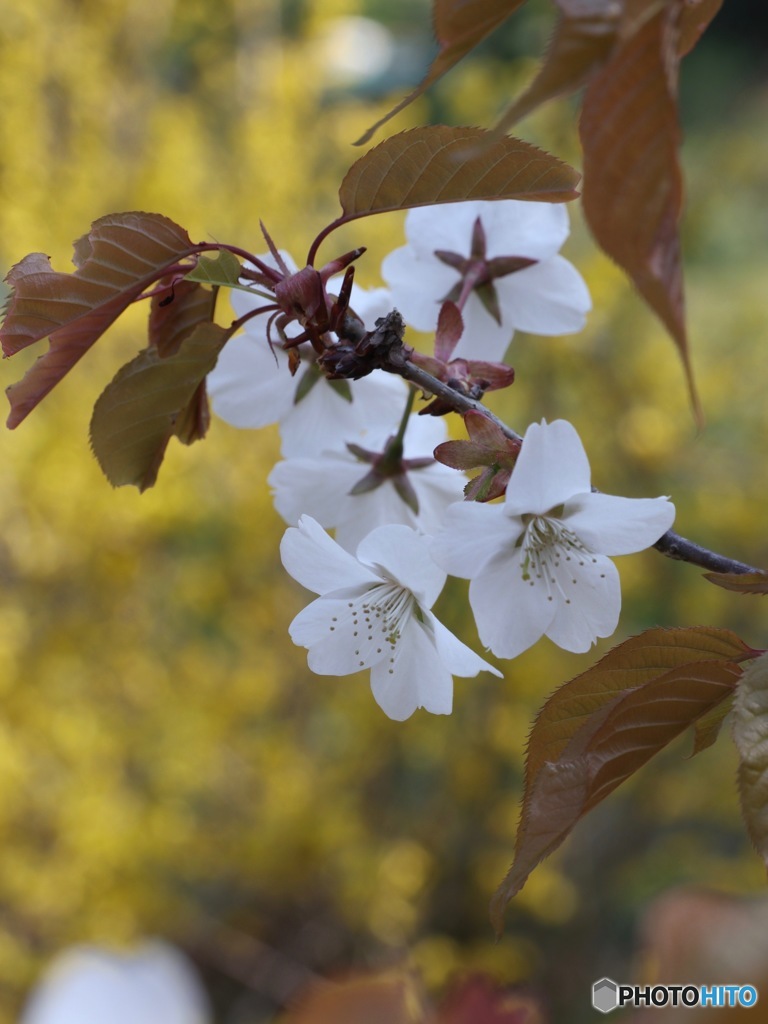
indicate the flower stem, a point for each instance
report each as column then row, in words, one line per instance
column 400, row 435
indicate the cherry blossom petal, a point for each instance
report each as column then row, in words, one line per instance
column 324, row 419
column 245, row 302
column 554, row 298
column 517, row 228
column 418, row 284
column 416, row 679
column 313, row 486
column 317, row 562
column 249, row 386
column 341, row 636
column 360, row 514
column 459, row 659
column 593, row 608
column 443, row 226
column 382, row 623
column 403, row 555
column 423, row 435
column 473, row 534
column 482, row 338
column 511, row 613
column 551, row 468
column 554, row 576
column 437, row 488
column 549, row 298
column 322, row 486
column 618, row 526
column 318, row 621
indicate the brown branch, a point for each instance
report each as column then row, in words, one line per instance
column 683, row 550
column 383, row 348
column 459, row 402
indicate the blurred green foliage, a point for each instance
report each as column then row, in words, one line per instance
column 168, row 765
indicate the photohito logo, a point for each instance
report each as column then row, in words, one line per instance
column 607, row 995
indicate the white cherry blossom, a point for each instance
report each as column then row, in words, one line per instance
column 549, row 297
column 251, row 385
column 373, row 613
column 538, row 562
column 156, row 984
column 414, row 495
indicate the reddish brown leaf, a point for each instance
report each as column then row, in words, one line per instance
column 707, row 728
column 173, row 317
column 391, row 998
column 583, row 39
column 488, row 446
column 750, row 734
column 694, row 20
column 459, row 27
column 461, row 455
column 441, row 164
column 494, row 376
column 648, row 719
column 491, row 483
column 477, row 1001
column 122, row 254
column 633, row 188
column 192, row 423
column 742, row 583
column 176, row 312
column 150, row 400
column 611, row 743
column 633, row 663
column 483, row 431
column 450, row 327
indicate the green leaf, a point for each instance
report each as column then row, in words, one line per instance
column 223, row 271
column 459, row 27
column 599, row 728
column 342, row 388
column 440, row 164
column 750, row 734
column 633, row 190
column 741, row 583
column 151, row 399
column 309, row 377
column 122, row 255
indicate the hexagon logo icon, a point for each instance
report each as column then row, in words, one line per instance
column 605, row 995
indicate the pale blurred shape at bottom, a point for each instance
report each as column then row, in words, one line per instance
column 156, row 984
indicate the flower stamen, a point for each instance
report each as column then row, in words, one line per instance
column 545, row 545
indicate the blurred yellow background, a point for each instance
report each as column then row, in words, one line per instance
column 168, row 765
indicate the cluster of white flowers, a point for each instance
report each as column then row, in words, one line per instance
column 357, row 461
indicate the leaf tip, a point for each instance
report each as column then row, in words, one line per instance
column 366, row 136
column 497, row 909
